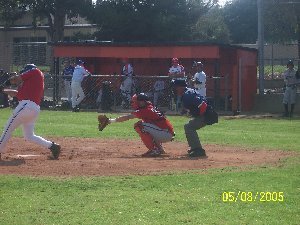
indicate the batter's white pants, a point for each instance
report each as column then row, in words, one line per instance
column 26, row 114
column 77, row 93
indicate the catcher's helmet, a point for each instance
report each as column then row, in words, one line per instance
column 28, row 67
column 136, row 98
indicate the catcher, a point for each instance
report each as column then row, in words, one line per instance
column 154, row 128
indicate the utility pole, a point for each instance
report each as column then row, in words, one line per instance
column 260, row 42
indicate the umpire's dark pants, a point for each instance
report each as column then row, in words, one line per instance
column 191, row 131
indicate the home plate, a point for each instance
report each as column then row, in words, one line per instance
column 27, row 156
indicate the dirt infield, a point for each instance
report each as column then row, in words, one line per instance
column 105, row 157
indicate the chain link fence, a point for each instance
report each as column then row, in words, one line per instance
column 99, row 87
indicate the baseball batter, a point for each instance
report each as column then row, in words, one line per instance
column 30, row 92
column 290, row 92
column 153, row 128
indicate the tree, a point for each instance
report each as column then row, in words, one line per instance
column 54, row 11
column 282, row 21
column 148, row 20
column 211, row 27
column 10, row 11
column 241, row 19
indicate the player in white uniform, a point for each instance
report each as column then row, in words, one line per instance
column 126, row 88
column 159, row 87
column 177, row 73
column 199, row 79
column 290, row 93
column 77, row 92
column 127, row 83
column 127, row 68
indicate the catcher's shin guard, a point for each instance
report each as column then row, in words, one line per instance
column 145, row 136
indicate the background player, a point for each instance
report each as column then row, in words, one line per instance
column 77, row 92
column 199, row 79
column 154, row 128
column 289, row 97
column 177, row 73
column 30, row 91
column 67, row 77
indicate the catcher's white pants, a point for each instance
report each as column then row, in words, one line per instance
column 159, row 135
column 77, row 93
column 26, row 113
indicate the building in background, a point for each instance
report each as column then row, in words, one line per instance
column 23, row 43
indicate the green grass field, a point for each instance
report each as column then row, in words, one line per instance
column 253, row 195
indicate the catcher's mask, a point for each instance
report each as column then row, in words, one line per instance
column 28, row 67
column 136, row 99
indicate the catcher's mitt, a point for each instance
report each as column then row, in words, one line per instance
column 103, row 122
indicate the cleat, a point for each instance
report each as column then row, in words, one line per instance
column 55, row 150
column 152, row 153
column 197, row 152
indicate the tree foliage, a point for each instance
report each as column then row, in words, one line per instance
column 11, row 10
column 54, row 11
column 211, row 27
column 241, row 19
column 148, row 20
column 282, row 21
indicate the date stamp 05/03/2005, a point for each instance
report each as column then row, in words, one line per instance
column 249, row 196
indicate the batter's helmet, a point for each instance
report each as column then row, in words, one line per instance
column 28, row 67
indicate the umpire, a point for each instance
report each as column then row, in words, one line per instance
column 202, row 114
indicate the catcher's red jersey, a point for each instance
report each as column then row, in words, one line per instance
column 32, row 87
column 152, row 115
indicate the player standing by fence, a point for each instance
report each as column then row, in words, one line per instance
column 67, row 77
column 77, row 92
column 289, row 97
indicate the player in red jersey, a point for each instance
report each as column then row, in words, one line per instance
column 154, row 128
column 30, row 92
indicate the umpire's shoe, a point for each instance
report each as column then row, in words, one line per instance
column 197, row 152
column 55, row 150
